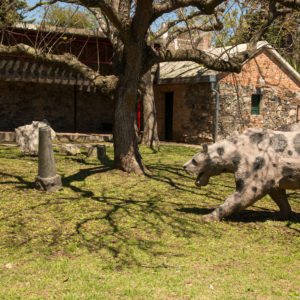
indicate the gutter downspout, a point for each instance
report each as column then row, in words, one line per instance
column 216, row 93
column 75, row 109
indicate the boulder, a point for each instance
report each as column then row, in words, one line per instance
column 27, row 137
column 70, row 149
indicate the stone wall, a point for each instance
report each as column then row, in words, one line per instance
column 263, row 70
column 193, row 112
column 277, row 107
column 95, row 113
column 280, row 96
column 21, row 103
column 194, row 105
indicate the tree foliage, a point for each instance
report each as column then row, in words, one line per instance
column 243, row 22
column 11, row 11
column 283, row 34
column 69, row 17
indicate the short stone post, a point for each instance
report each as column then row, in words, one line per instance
column 101, row 152
column 97, row 151
column 47, row 178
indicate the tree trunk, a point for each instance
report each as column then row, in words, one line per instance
column 150, row 136
column 126, row 153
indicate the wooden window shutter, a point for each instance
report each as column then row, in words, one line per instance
column 255, row 104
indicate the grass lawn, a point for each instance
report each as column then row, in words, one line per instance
column 110, row 235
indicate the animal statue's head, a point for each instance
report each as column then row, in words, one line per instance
column 212, row 161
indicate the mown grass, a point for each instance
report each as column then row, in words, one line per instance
column 110, row 235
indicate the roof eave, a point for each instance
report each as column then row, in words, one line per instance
column 61, row 30
column 188, row 80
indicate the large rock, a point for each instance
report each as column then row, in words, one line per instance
column 70, row 149
column 27, row 137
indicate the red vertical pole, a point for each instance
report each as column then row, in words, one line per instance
column 139, row 114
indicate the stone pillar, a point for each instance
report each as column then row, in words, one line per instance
column 47, row 178
column 101, row 152
column 97, row 151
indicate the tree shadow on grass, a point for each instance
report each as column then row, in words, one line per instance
column 249, row 216
column 245, row 216
column 126, row 228
column 82, row 174
column 126, row 242
column 21, row 182
column 164, row 173
column 105, row 161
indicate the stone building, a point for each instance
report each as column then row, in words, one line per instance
column 196, row 105
column 32, row 90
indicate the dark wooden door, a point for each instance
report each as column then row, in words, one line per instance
column 169, row 116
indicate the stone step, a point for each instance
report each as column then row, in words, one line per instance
column 10, row 137
column 7, row 137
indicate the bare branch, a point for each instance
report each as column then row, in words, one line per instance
column 41, row 3
column 167, row 26
column 203, row 28
column 105, row 7
column 272, row 15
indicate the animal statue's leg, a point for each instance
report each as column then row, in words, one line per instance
column 280, row 198
column 233, row 204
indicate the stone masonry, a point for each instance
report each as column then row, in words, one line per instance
column 20, row 103
column 194, row 106
column 193, row 112
column 280, row 96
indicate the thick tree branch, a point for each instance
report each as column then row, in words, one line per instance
column 105, row 84
column 293, row 4
column 230, row 63
column 102, row 21
column 124, row 12
column 42, row 3
column 206, row 7
column 142, row 18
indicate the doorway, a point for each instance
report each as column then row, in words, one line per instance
column 169, row 116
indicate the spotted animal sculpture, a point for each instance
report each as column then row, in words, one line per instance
column 289, row 127
column 263, row 162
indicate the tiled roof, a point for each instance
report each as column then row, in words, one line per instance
column 180, row 69
column 58, row 29
column 187, row 71
column 183, row 71
column 27, row 70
